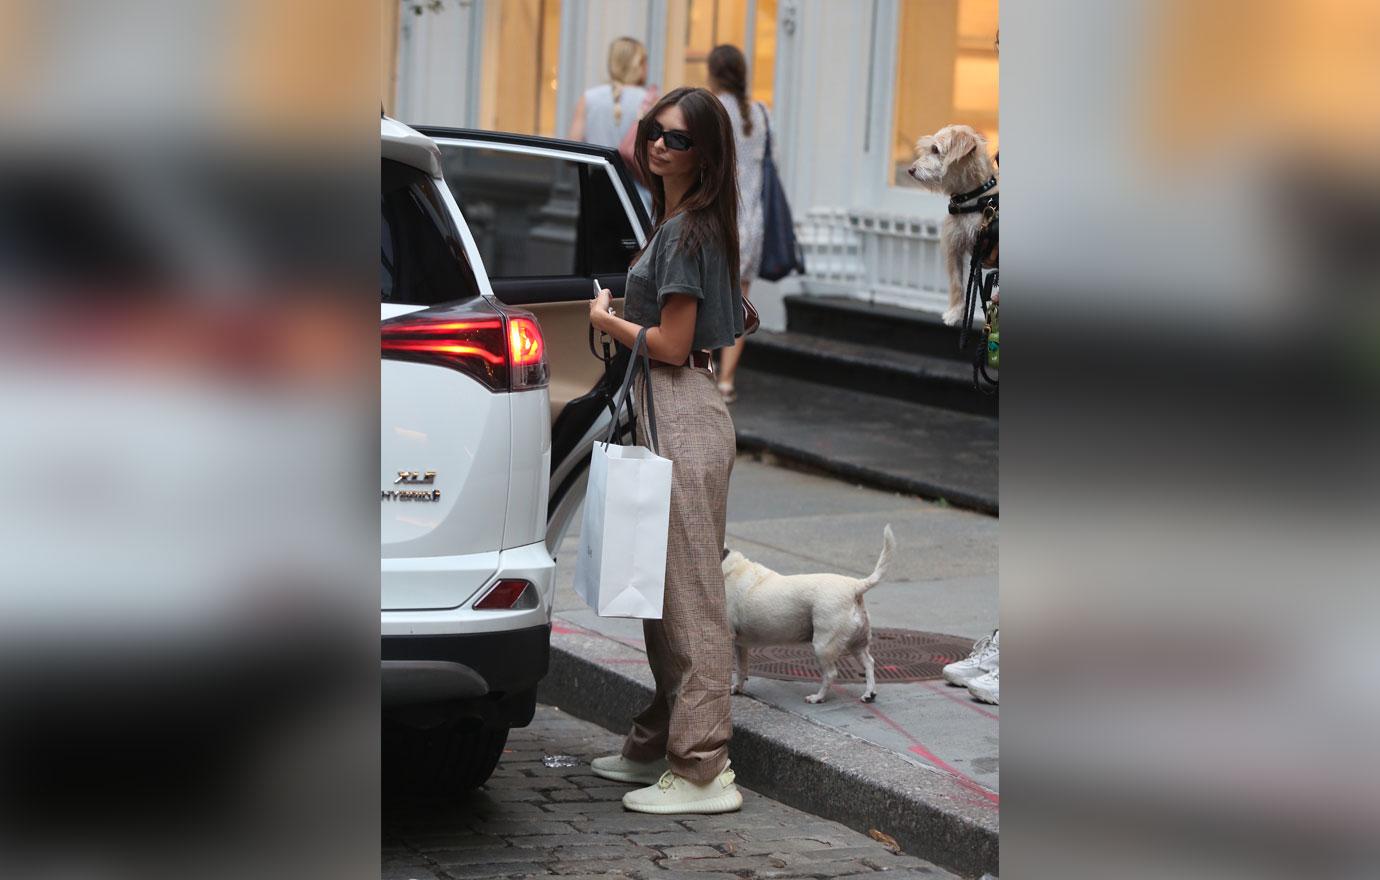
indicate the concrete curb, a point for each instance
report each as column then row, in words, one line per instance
column 751, row 442
column 804, row 765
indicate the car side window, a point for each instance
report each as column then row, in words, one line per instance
column 422, row 260
column 539, row 216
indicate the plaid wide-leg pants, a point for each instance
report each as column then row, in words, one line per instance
column 690, row 649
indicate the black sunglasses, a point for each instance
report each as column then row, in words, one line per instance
column 675, row 140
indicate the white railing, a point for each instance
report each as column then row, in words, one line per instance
column 873, row 256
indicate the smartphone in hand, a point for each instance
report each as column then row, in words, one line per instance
column 598, row 287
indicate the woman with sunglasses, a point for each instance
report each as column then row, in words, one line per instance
column 683, row 286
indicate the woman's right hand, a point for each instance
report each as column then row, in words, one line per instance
column 600, row 307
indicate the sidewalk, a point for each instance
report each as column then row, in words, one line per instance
column 873, row 394
column 920, row 763
column 895, row 445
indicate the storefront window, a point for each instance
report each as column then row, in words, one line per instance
column 521, row 89
column 764, row 53
column 707, row 24
column 946, row 73
column 694, row 27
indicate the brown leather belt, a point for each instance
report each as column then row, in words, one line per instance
column 702, row 360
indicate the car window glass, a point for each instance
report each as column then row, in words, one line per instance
column 537, row 216
column 422, row 260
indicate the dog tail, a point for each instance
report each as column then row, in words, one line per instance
column 883, row 562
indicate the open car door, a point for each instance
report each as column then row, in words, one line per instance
column 549, row 217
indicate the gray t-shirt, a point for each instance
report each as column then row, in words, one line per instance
column 665, row 268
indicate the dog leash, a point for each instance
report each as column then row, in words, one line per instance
column 980, row 290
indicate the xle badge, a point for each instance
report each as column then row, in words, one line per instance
column 413, row 477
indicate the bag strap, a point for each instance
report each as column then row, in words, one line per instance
column 625, row 390
column 766, row 120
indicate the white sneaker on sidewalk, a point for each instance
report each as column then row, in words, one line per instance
column 621, row 769
column 676, row 794
column 987, row 689
column 977, row 664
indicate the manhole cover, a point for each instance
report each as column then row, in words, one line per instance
column 900, row 655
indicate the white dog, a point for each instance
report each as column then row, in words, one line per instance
column 766, row 608
column 954, row 161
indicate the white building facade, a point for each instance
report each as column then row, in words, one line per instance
column 851, row 85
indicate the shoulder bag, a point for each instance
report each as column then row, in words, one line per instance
column 781, row 254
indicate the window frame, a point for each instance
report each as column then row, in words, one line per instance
column 586, row 164
column 881, row 192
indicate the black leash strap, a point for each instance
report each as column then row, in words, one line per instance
column 607, row 358
column 980, row 374
column 979, row 290
column 974, row 292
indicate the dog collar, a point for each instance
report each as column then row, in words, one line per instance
column 956, row 205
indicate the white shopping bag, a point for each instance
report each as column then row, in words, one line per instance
column 621, row 567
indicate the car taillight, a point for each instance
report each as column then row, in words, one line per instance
column 506, row 352
column 527, row 353
column 508, row 595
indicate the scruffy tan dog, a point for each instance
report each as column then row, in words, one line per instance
column 954, row 161
column 827, row 610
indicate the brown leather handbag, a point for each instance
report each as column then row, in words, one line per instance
column 751, row 320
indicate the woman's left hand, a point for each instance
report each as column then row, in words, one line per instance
column 600, row 306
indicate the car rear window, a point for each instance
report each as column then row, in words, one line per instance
column 423, row 261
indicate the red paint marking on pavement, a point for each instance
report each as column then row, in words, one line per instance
column 968, row 703
column 565, row 627
column 919, row 748
column 970, row 784
column 891, row 668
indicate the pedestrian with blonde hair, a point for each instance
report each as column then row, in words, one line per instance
column 605, row 112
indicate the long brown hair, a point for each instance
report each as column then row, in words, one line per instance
column 728, row 68
column 711, row 205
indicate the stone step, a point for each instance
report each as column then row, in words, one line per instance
column 918, row 378
column 876, row 325
column 869, row 439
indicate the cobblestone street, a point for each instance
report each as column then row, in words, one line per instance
column 533, row 820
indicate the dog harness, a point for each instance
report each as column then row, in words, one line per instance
column 956, row 205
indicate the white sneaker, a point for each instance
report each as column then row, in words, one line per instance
column 987, row 689
column 676, row 794
column 977, row 664
column 620, row 769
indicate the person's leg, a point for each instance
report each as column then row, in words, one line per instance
column 729, row 357
column 698, row 436
column 647, row 739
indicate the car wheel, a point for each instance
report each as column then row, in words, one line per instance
column 446, row 759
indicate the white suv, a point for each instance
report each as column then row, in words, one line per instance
column 490, row 402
